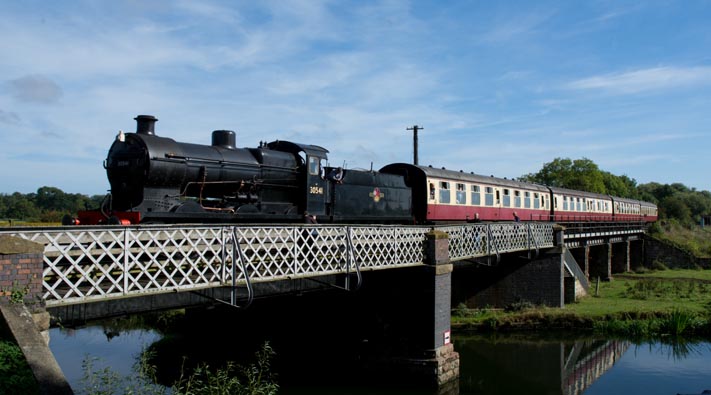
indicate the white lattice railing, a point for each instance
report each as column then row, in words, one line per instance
column 85, row 264
column 473, row 241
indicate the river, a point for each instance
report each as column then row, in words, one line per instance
column 495, row 364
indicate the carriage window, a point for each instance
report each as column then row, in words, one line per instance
column 527, row 199
column 476, row 196
column 432, row 191
column 489, row 196
column 579, row 207
column 585, row 205
column 565, row 202
column 444, row 192
column 507, row 198
column 517, row 198
column 544, row 202
column 461, row 194
column 536, row 203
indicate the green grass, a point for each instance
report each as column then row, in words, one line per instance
column 694, row 239
column 667, row 302
column 653, row 292
column 703, row 275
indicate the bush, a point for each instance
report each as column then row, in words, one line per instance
column 15, row 375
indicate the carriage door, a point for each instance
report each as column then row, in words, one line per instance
column 316, row 188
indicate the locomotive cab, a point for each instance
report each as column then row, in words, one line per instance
column 316, row 193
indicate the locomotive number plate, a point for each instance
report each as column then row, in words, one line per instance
column 316, row 190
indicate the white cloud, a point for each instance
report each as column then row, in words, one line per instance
column 657, row 78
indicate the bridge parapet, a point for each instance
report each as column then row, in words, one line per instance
column 83, row 264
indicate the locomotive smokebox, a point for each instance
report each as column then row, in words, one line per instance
column 145, row 124
column 224, row 139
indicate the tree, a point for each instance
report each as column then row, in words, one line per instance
column 674, row 207
column 21, row 207
column 581, row 174
column 50, row 198
column 621, row 186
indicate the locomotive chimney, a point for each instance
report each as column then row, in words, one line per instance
column 224, row 139
column 145, row 124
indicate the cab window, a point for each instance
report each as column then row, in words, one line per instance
column 314, row 166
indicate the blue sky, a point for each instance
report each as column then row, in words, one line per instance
column 500, row 87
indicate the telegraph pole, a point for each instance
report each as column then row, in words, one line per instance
column 414, row 141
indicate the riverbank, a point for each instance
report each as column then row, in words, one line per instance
column 651, row 303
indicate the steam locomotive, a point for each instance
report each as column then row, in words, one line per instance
column 159, row 180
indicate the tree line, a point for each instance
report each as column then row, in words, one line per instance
column 675, row 201
column 48, row 204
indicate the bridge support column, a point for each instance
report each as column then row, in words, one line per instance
column 601, row 262
column 442, row 362
column 620, row 257
column 582, row 256
column 636, row 254
column 22, row 311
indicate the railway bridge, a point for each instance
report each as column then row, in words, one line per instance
column 410, row 275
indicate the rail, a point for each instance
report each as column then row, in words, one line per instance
column 84, row 264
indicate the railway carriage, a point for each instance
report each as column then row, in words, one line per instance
column 649, row 211
column 627, row 209
column 441, row 195
column 574, row 206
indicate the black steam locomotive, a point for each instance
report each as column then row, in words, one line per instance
column 159, row 180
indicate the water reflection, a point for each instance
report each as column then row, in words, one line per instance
column 490, row 365
column 545, row 365
column 534, row 364
column 118, row 350
column 669, row 367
